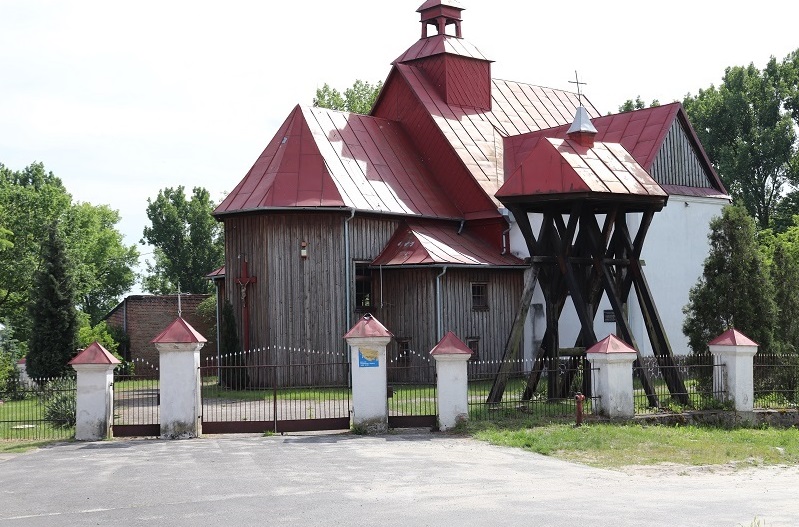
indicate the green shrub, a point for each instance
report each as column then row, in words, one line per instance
column 60, row 405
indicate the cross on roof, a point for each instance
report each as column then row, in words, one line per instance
column 578, row 83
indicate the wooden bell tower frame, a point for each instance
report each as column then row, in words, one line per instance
column 584, row 249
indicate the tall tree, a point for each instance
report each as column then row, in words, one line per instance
column 52, row 312
column 187, row 241
column 359, row 98
column 749, row 135
column 103, row 264
column 734, row 289
column 31, row 199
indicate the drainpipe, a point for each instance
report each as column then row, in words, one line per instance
column 347, row 270
column 218, row 334
column 439, row 302
column 504, row 235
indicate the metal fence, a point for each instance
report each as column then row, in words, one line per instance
column 776, row 381
column 700, row 376
column 240, row 393
column 543, row 387
column 412, row 396
column 41, row 409
column 136, row 399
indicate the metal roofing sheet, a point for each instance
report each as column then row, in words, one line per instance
column 427, row 243
column 438, row 44
column 324, row 158
column 640, row 132
column 563, row 166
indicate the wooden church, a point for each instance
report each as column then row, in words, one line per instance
column 397, row 213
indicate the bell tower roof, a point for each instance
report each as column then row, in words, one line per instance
column 441, row 13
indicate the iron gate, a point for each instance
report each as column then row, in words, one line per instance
column 242, row 395
column 136, row 400
column 412, row 398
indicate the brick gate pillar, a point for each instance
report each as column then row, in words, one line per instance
column 368, row 340
column 736, row 352
column 452, row 383
column 95, row 392
column 179, row 366
column 613, row 383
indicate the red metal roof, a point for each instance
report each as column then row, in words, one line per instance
column 476, row 136
column 438, row 44
column 417, row 243
column 610, row 344
column 325, row 158
column 219, row 272
column 562, row 166
column 179, row 332
column 94, row 354
column 429, row 4
column 641, row 132
column 450, row 345
column 732, row 337
column 368, row 326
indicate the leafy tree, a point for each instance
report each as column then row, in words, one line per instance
column 359, row 98
column 31, row 199
column 100, row 333
column 187, row 241
column 103, row 264
column 233, row 374
column 637, row 104
column 734, row 289
column 52, row 311
column 749, row 135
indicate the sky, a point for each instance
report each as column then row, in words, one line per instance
column 121, row 99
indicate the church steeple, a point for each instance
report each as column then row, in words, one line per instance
column 441, row 13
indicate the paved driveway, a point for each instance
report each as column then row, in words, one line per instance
column 398, row 479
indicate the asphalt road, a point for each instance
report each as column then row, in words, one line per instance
column 397, row 479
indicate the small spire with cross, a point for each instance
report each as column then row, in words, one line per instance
column 578, row 83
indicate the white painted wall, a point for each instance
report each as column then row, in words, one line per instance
column 179, row 366
column 452, row 389
column 95, row 394
column 674, row 252
column 613, row 383
column 369, row 383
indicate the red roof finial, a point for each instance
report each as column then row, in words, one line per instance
column 441, row 13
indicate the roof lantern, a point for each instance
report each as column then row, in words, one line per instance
column 582, row 130
column 441, row 14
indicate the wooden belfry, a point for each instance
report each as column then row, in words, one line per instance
column 584, row 191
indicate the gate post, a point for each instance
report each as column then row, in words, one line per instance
column 452, row 382
column 736, row 352
column 368, row 340
column 95, row 392
column 179, row 356
column 613, row 382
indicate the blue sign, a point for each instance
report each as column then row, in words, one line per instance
column 368, row 358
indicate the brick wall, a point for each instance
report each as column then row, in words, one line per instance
column 148, row 315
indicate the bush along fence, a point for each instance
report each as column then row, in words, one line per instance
column 371, row 394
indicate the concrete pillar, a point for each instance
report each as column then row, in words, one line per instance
column 95, row 392
column 736, row 352
column 368, row 340
column 22, row 368
column 179, row 357
column 613, row 382
column 452, row 385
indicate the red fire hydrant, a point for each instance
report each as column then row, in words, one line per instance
column 579, row 398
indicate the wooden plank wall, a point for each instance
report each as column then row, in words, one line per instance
column 677, row 163
column 409, row 310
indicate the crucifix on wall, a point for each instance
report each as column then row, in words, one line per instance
column 243, row 281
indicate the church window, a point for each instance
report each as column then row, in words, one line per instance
column 364, row 299
column 479, row 296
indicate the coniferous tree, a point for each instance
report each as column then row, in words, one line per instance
column 233, row 368
column 54, row 320
column 735, row 289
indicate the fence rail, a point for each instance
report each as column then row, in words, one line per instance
column 543, row 387
column 700, row 375
column 41, row 409
column 776, row 381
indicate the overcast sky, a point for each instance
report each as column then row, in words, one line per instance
column 120, row 99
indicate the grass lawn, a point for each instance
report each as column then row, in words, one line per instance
column 613, row 445
column 18, row 447
column 24, row 421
